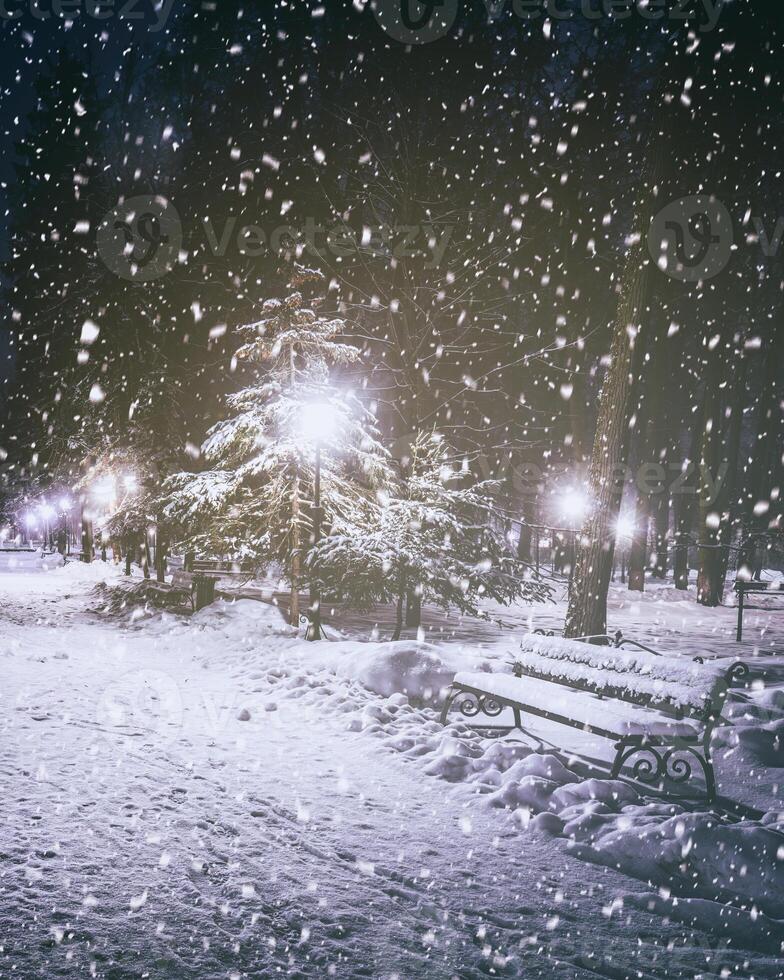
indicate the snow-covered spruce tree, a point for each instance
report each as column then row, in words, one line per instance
column 118, row 457
column 433, row 537
column 255, row 502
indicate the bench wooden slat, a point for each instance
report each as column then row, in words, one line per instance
column 578, row 709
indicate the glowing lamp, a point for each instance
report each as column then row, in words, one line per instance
column 573, row 504
column 318, row 421
column 104, row 489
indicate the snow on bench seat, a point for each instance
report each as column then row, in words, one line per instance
column 616, row 718
column 664, row 680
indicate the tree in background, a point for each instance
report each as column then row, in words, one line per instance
column 256, row 500
column 433, row 536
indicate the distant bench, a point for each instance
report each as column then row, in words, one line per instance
column 220, row 568
column 196, row 583
column 662, row 708
column 744, row 589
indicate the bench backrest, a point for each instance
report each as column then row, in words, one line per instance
column 217, row 565
column 182, row 579
column 673, row 684
column 761, row 588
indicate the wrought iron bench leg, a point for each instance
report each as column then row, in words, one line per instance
column 620, row 757
column 666, row 761
column 448, row 702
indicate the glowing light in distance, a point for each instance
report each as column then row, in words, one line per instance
column 318, row 421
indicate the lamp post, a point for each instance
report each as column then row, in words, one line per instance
column 47, row 513
column 65, row 506
column 573, row 506
column 314, row 629
column 317, row 424
column 624, row 530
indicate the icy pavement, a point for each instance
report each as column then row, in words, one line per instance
column 183, row 798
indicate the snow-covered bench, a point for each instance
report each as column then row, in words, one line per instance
column 219, row 568
column 660, row 708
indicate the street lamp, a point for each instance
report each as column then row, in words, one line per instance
column 317, row 424
column 105, row 491
column 31, row 525
column 573, row 505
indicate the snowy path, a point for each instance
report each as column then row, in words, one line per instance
column 148, row 831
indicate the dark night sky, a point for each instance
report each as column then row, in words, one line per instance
column 27, row 43
column 490, row 79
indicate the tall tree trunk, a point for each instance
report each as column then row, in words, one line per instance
column 761, row 473
column 683, row 511
column 87, row 538
column 295, row 542
column 414, row 608
column 587, row 610
column 524, row 542
column 638, row 552
column 160, row 554
column 401, row 595
column 729, row 506
column 684, row 505
column 661, row 533
column 718, row 465
column 560, row 551
column 710, row 587
column 294, row 566
column 590, row 582
column 146, row 562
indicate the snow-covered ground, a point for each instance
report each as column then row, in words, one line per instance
column 211, row 796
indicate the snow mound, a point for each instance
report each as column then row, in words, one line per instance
column 696, row 853
column 420, row 671
column 240, row 618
